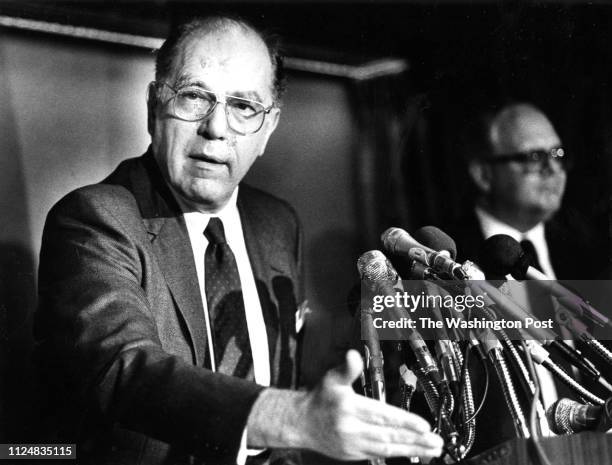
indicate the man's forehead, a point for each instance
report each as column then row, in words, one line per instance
column 234, row 51
column 524, row 130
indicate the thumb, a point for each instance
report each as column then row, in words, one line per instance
column 346, row 373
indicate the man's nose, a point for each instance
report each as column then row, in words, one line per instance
column 215, row 125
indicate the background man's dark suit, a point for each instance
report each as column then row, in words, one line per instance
column 121, row 324
column 575, row 251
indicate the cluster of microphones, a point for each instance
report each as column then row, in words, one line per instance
column 440, row 369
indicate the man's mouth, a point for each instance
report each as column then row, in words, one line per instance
column 207, row 159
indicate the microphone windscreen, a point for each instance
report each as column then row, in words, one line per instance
column 503, row 255
column 558, row 415
column 436, row 239
column 373, row 266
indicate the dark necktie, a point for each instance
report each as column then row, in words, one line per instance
column 530, row 251
column 543, row 309
column 539, row 301
column 226, row 305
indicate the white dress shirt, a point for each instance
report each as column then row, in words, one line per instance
column 196, row 224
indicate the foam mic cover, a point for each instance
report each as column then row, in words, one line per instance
column 567, row 416
column 503, row 255
column 436, row 239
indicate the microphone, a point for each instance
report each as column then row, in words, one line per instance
column 399, row 242
column 506, row 256
column 567, row 416
column 375, row 270
column 436, row 239
column 370, row 261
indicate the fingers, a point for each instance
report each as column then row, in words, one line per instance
column 379, row 449
column 399, row 437
column 388, row 431
column 349, row 426
column 357, row 440
column 377, row 413
column 348, row 372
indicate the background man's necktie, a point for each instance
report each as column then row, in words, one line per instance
column 542, row 308
column 539, row 301
column 530, row 251
column 226, row 306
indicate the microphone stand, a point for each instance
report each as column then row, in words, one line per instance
column 541, row 356
column 494, row 349
column 579, row 329
column 529, row 381
column 452, row 362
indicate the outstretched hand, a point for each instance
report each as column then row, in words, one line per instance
column 333, row 420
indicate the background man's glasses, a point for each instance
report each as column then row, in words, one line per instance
column 193, row 103
column 535, row 160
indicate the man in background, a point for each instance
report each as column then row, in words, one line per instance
column 519, row 170
column 519, row 167
column 168, row 292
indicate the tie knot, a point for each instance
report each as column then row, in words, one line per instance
column 528, row 246
column 214, row 232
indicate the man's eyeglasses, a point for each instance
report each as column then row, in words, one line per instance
column 193, row 103
column 535, row 160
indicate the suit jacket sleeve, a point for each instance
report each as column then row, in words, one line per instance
column 98, row 337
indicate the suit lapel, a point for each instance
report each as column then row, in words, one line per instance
column 170, row 242
column 165, row 224
column 257, row 242
column 175, row 258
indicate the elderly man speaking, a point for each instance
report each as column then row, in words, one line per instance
column 168, row 291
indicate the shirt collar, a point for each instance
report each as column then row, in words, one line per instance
column 491, row 226
column 197, row 220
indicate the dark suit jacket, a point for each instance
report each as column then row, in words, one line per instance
column 121, row 331
column 575, row 251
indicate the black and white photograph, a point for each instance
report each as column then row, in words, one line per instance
column 383, row 239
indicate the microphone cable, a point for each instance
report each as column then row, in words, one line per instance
column 465, row 400
column 485, row 390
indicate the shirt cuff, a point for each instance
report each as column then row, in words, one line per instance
column 244, row 451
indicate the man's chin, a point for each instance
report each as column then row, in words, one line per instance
column 207, row 199
column 547, row 210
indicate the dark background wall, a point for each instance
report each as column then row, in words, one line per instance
column 353, row 157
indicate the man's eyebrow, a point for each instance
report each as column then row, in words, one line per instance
column 244, row 94
column 186, row 80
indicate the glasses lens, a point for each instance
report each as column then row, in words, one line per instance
column 539, row 160
column 245, row 116
column 192, row 103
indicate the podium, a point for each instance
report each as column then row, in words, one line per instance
column 586, row 448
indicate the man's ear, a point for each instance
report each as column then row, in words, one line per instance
column 480, row 173
column 269, row 126
column 151, row 106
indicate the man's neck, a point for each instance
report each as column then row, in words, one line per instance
column 521, row 223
